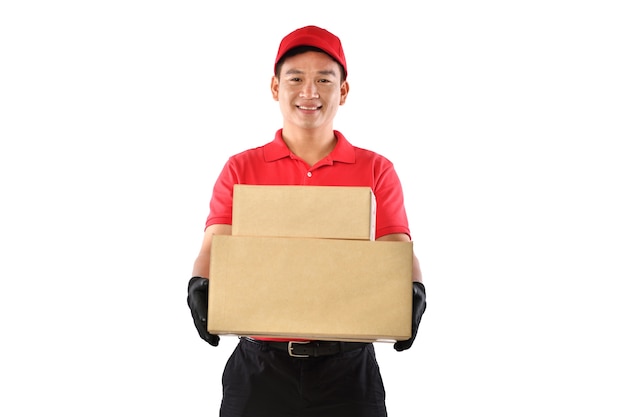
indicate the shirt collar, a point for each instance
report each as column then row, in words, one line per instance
column 277, row 149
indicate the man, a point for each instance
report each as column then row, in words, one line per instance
column 339, row 379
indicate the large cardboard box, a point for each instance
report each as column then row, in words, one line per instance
column 304, row 211
column 325, row 289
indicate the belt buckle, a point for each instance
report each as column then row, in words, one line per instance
column 290, row 349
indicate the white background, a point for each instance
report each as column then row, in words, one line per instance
column 505, row 121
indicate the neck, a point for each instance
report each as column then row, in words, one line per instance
column 311, row 146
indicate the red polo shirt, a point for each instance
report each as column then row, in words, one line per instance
column 346, row 165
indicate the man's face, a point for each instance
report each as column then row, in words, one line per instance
column 309, row 90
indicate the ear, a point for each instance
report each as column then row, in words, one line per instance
column 345, row 88
column 274, row 87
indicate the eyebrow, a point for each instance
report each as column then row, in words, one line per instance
column 322, row 72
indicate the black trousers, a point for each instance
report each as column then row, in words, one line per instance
column 260, row 381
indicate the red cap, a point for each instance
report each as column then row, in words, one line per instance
column 313, row 36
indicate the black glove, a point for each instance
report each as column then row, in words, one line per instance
column 419, row 306
column 198, row 302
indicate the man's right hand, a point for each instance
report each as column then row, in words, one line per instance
column 198, row 301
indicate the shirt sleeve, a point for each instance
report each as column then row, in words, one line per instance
column 221, row 205
column 390, row 211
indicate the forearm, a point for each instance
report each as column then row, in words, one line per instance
column 201, row 266
column 417, row 271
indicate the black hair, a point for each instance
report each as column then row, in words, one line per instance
column 300, row 50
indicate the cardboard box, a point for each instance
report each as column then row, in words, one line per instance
column 324, row 289
column 332, row 212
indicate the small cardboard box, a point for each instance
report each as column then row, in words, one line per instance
column 324, row 289
column 334, row 212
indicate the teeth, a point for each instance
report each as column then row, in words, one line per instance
column 308, row 108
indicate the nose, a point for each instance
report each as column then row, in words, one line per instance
column 309, row 90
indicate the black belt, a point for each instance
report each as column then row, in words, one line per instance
column 313, row 348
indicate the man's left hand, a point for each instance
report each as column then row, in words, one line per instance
column 419, row 306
